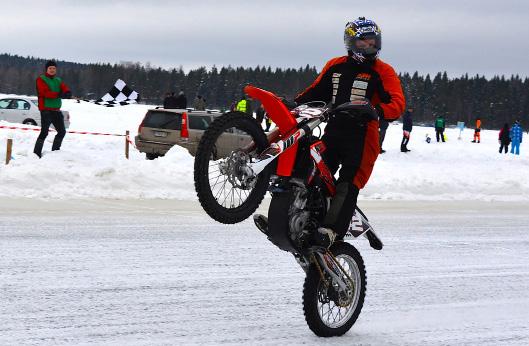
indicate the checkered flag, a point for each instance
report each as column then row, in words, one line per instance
column 119, row 95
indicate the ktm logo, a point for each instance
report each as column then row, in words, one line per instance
column 364, row 76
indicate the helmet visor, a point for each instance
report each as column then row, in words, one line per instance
column 366, row 44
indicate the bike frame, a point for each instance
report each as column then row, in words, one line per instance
column 289, row 135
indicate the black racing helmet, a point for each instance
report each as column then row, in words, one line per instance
column 357, row 39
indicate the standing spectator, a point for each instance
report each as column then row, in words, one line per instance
column 407, row 126
column 504, row 138
column 440, row 128
column 259, row 115
column 382, row 127
column 268, row 122
column 516, row 135
column 170, row 103
column 244, row 105
column 181, row 100
column 477, row 131
column 199, row 104
column 167, row 100
column 50, row 90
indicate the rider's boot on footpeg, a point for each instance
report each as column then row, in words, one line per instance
column 324, row 237
column 261, row 222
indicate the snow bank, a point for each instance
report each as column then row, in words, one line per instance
column 456, row 169
column 90, row 166
column 95, row 166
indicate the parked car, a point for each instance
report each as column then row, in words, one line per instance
column 24, row 110
column 161, row 129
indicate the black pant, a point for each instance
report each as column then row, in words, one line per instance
column 382, row 135
column 48, row 118
column 345, row 148
column 404, row 143
column 504, row 145
column 259, row 117
column 439, row 133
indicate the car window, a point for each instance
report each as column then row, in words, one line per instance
column 199, row 122
column 18, row 104
column 35, row 102
column 163, row 120
column 13, row 104
column 4, row 103
column 23, row 105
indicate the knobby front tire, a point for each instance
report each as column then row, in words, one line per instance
column 208, row 151
column 324, row 318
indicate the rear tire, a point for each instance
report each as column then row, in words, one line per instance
column 29, row 122
column 149, row 156
column 313, row 292
column 207, row 150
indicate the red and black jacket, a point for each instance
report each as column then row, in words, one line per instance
column 44, row 92
column 343, row 78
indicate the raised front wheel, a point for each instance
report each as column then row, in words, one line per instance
column 226, row 187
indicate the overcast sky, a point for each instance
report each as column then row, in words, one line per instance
column 479, row 37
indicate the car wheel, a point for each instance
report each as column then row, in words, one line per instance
column 29, row 122
column 151, row 156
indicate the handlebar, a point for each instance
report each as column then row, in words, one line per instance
column 360, row 109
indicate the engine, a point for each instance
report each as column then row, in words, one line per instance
column 306, row 213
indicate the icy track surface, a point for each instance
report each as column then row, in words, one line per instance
column 162, row 273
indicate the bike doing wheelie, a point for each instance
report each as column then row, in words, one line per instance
column 236, row 164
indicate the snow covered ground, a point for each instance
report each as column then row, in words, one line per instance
column 97, row 249
column 159, row 272
column 95, row 166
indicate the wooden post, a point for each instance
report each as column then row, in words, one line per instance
column 9, row 150
column 127, row 144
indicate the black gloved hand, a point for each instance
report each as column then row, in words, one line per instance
column 65, row 95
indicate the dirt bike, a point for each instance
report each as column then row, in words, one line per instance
column 288, row 163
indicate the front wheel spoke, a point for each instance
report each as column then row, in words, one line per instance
column 220, row 175
column 324, row 314
column 217, row 182
column 240, row 198
column 220, row 190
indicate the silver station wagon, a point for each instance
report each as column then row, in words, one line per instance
column 161, row 129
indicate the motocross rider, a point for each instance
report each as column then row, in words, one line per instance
column 353, row 143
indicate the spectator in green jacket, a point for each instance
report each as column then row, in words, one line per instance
column 50, row 90
column 440, row 128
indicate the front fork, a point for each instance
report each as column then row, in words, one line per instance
column 326, row 263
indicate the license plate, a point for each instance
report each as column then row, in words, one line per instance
column 160, row 134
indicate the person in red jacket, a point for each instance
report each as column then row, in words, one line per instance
column 351, row 143
column 50, row 90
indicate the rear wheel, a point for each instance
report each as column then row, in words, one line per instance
column 29, row 122
column 328, row 310
column 150, row 156
column 226, row 187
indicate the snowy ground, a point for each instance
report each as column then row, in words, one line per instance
column 95, row 167
column 153, row 272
